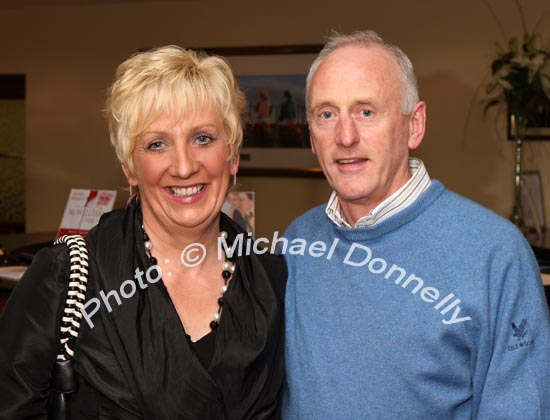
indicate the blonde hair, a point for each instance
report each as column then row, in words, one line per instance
column 176, row 81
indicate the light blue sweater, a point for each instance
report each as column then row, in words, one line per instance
column 436, row 313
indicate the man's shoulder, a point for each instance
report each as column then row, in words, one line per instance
column 309, row 221
column 469, row 208
column 463, row 213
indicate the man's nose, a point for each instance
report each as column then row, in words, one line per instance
column 346, row 132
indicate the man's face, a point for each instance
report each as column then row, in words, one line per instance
column 358, row 132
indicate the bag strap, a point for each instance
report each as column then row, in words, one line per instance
column 63, row 378
column 76, row 295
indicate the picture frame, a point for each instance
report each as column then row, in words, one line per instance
column 536, row 130
column 280, row 68
column 532, row 200
column 240, row 206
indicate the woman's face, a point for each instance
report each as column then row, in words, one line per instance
column 182, row 171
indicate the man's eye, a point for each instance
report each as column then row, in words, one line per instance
column 326, row 115
column 366, row 113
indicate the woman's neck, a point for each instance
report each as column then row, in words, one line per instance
column 171, row 241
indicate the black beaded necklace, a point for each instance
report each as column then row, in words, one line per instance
column 228, row 269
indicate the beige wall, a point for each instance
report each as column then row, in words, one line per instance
column 70, row 53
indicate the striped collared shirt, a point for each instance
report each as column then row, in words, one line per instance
column 399, row 200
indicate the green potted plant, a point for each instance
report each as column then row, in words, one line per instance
column 520, row 80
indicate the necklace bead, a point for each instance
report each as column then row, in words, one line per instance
column 228, row 269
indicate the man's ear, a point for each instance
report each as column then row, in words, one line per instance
column 417, row 125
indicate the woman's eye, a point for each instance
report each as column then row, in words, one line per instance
column 203, row 139
column 155, row 145
column 326, row 115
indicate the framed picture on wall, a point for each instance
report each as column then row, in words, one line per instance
column 538, row 127
column 532, row 200
column 276, row 136
column 239, row 205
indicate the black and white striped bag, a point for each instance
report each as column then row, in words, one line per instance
column 63, row 377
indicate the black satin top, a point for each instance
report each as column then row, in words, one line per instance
column 204, row 348
column 137, row 362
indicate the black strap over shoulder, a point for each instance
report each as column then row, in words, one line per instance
column 63, row 377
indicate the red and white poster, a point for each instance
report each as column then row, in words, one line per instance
column 83, row 210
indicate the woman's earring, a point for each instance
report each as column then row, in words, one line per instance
column 131, row 192
column 234, row 179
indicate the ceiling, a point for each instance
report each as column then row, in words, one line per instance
column 16, row 4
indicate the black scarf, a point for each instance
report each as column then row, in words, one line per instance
column 139, row 356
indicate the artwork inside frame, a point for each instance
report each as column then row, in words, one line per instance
column 239, row 205
column 276, row 136
column 532, row 200
column 276, row 112
column 538, row 128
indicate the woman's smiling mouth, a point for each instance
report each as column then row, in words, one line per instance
column 186, row 192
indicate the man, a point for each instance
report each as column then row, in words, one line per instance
column 405, row 300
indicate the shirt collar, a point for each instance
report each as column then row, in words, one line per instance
column 399, row 200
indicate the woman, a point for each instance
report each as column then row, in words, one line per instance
column 206, row 342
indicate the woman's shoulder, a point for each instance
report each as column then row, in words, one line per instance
column 273, row 269
column 275, row 264
column 50, row 261
column 112, row 227
column 239, row 245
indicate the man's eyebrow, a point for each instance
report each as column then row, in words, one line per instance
column 322, row 103
column 360, row 101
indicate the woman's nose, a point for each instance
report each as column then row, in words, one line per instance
column 183, row 163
